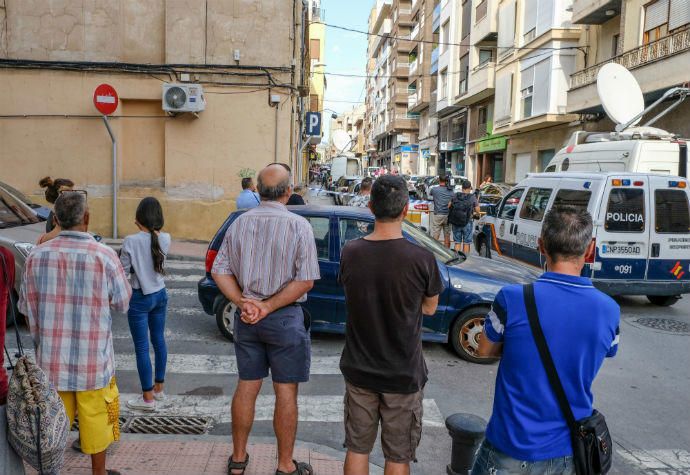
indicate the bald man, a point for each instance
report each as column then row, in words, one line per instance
column 265, row 266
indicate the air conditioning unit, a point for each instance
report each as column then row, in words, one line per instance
column 183, row 98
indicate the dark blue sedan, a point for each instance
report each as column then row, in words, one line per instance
column 470, row 283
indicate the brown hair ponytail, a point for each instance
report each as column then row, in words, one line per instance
column 150, row 216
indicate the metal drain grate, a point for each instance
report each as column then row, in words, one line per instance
column 664, row 324
column 168, row 425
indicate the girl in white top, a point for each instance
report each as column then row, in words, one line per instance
column 143, row 258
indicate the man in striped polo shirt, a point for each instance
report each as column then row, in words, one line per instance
column 265, row 266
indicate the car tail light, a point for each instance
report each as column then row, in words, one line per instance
column 210, row 258
column 589, row 257
column 422, row 206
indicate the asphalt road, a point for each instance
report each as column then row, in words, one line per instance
column 643, row 392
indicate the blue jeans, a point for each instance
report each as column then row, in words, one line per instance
column 147, row 314
column 489, row 461
column 463, row 234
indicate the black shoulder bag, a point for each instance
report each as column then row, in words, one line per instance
column 590, row 437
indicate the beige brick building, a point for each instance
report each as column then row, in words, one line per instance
column 54, row 54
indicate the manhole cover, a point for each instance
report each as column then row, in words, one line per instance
column 664, row 324
column 168, row 425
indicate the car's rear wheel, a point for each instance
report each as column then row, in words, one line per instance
column 483, row 248
column 466, row 332
column 663, row 300
column 225, row 318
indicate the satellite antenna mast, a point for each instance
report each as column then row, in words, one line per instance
column 341, row 140
column 621, row 97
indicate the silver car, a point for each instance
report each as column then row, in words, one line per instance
column 20, row 230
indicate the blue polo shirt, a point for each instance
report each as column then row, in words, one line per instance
column 247, row 199
column 580, row 325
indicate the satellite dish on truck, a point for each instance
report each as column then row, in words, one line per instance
column 341, row 140
column 620, row 94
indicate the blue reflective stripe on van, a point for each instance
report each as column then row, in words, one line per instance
column 669, row 269
column 629, row 269
column 528, row 255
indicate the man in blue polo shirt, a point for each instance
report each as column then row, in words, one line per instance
column 527, row 432
column 248, row 197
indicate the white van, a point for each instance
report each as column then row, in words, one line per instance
column 637, row 149
column 344, row 165
column 641, row 228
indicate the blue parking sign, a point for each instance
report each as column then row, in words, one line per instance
column 314, row 124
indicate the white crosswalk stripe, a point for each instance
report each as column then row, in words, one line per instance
column 667, row 462
column 182, row 278
column 219, row 364
column 311, row 408
column 185, row 265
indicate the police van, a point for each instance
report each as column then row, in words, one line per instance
column 641, row 228
column 637, row 149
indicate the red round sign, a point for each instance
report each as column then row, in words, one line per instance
column 105, row 99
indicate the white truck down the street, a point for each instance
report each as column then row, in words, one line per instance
column 345, row 164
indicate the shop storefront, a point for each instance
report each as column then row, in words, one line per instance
column 489, row 158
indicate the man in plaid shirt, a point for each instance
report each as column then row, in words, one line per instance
column 69, row 287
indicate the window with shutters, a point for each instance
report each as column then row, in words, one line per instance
column 614, row 45
column 506, row 28
column 503, row 101
column 485, row 56
column 464, row 73
column 315, row 49
column 679, row 14
column 445, row 36
column 529, row 20
column 526, row 92
column 655, row 21
column 444, row 85
column 466, row 18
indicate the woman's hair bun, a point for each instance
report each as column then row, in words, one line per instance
column 45, row 182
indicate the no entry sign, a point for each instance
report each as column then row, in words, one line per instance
column 105, row 99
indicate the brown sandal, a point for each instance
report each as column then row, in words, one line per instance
column 302, row 468
column 232, row 465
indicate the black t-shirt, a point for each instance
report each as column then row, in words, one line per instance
column 295, row 199
column 385, row 283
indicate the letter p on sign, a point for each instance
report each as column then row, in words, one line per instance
column 313, row 123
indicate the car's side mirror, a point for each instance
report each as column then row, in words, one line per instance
column 423, row 228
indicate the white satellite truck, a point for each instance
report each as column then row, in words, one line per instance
column 631, row 148
column 344, row 164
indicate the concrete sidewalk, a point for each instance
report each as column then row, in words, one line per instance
column 137, row 454
column 179, row 250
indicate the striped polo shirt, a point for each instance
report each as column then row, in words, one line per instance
column 580, row 325
column 266, row 248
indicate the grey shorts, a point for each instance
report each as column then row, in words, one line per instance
column 439, row 222
column 10, row 462
column 401, row 422
column 279, row 342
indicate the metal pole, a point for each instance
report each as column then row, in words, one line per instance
column 115, row 183
column 275, row 159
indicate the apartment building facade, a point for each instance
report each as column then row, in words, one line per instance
column 650, row 38
column 352, row 122
column 255, row 91
column 392, row 128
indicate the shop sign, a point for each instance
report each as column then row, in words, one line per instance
column 426, row 153
column 410, row 148
column 452, row 146
column 490, row 145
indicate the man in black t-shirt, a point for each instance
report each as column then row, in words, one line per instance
column 382, row 361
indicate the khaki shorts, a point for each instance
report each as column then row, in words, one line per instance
column 401, row 422
column 439, row 222
column 98, row 412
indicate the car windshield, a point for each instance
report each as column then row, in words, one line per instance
column 13, row 212
column 12, row 190
column 424, row 240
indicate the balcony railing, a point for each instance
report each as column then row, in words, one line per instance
column 318, row 14
column 635, row 58
column 415, row 31
column 413, row 67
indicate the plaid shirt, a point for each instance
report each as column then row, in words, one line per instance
column 69, row 286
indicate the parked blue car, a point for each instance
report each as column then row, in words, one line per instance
column 470, row 283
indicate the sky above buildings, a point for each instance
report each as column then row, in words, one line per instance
column 346, row 52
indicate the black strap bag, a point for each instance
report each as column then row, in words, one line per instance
column 461, row 210
column 590, row 437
